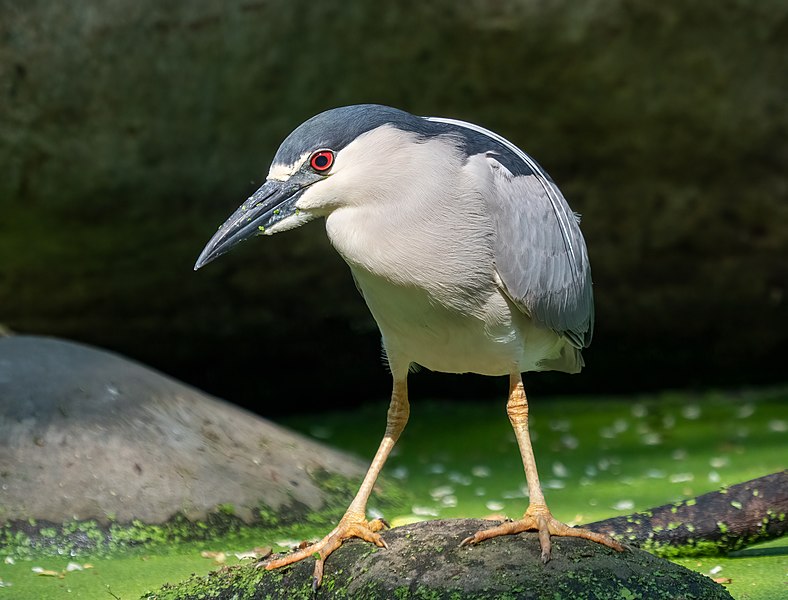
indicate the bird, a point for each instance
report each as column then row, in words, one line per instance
column 467, row 255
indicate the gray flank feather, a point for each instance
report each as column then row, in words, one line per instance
column 540, row 253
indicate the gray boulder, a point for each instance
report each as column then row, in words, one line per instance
column 89, row 435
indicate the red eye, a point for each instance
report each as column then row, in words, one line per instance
column 322, row 160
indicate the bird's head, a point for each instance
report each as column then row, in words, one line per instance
column 323, row 164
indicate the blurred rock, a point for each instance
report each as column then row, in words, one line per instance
column 130, row 130
column 89, row 435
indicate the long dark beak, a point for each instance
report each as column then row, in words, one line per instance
column 274, row 201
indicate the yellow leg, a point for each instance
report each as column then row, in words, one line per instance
column 537, row 517
column 354, row 522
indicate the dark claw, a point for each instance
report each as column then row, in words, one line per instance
column 467, row 542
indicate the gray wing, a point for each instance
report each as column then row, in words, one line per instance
column 540, row 253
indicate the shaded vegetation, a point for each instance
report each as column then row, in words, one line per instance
column 131, row 129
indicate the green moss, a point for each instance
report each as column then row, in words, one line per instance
column 626, row 594
column 293, row 583
column 267, row 517
column 697, row 548
column 226, row 509
column 90, row 537
column 40, row 538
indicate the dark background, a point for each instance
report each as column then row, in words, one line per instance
column 130, row 130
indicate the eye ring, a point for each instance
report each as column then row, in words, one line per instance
column 321, row 160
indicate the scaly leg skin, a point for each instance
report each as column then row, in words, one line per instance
column 354, row 522
column 537, row 517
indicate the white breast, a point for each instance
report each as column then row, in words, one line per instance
column 424, row 261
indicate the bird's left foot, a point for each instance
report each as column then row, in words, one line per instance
column 352, row 525
column 539, row 519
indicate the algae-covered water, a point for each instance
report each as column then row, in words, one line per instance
column 598, row 457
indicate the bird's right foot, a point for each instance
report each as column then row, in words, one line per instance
column 350, row 526
column 538, row 518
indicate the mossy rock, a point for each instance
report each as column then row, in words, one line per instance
column 424, row 562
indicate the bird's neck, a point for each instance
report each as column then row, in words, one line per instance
column 429, row 245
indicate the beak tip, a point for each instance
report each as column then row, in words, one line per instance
column 203, row 259
column 252, row 218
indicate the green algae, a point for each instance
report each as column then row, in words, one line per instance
column 472, row 434
column 75, row 538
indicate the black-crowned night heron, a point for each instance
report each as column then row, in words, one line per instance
column 466, row 253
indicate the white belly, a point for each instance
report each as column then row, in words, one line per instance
column 429, row 280
column 494, row 339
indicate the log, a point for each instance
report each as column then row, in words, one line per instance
column 711, row 524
